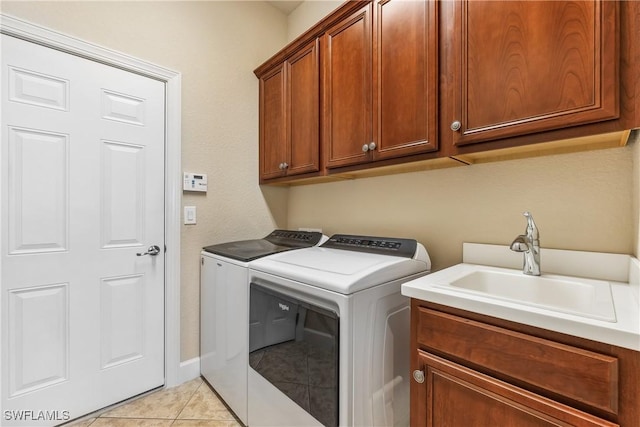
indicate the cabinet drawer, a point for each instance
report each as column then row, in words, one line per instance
column 573, row 373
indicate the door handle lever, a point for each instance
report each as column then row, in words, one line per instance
column 152, row 250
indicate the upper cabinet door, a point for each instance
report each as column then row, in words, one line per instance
column 290, row 115
column 519, row 67
column 347, row 89
column 406, row 78
column 303, row 99
column 273, row 121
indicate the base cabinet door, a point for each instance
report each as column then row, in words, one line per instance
column 452, row 395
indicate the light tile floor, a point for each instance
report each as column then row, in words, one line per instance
column 192, row 404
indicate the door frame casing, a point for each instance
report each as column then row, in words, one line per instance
column 24, row 30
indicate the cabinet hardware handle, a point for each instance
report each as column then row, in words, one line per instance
column 372, row 146
column 455, row 126
column 281, row 166
column 285, row 165
column 418, row 376
column 365, row 147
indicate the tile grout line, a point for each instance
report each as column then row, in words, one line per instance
column 188, row 401
column 171, row 420
column 102, row 413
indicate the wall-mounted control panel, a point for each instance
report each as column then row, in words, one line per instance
column 195, row 182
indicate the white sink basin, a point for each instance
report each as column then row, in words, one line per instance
column 573, row 295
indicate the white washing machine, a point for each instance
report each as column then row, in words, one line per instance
column 329, row 333
column 224, row 309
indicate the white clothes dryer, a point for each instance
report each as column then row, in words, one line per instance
column 329, row 333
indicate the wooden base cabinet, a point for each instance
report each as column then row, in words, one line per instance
column 475, row 371
column 454, row 395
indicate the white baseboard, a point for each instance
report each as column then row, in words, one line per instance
column 189, row 369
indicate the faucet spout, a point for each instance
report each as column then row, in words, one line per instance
column 529, row 244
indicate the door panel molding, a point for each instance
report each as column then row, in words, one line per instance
column 40, row 351
column 24, row 30
column 39, row 160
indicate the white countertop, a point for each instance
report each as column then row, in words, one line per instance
column 621, row 271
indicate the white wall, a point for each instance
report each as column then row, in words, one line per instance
column 307, row 14
column 580, row 201
column 216, row 46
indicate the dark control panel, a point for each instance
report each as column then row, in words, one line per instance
column 293, row 238
column 377, row 245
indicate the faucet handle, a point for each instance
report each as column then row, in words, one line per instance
column 519, row 244
column 532, row 230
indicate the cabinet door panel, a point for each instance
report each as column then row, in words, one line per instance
column 405, row 74
column 347, row 89
column 304, row 109
column 532, row 66
column 272, row 123
column 458, row 396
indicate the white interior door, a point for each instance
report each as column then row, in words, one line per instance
column 82, row 191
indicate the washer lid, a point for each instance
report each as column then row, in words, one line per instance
column 342, row 271
column 276, row 241
column 245, row 250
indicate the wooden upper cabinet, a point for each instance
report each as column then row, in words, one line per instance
column 303, row 106
column 405, row 78
column 384, row 82
column 380, row 83
column 290, row 114
column 521, row 67
column 348, row 85
column 272, row 123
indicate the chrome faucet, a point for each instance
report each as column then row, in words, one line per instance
column 529, row 243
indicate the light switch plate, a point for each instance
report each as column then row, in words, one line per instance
column 189, row 214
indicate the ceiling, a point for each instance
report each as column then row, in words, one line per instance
column 286, row 6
